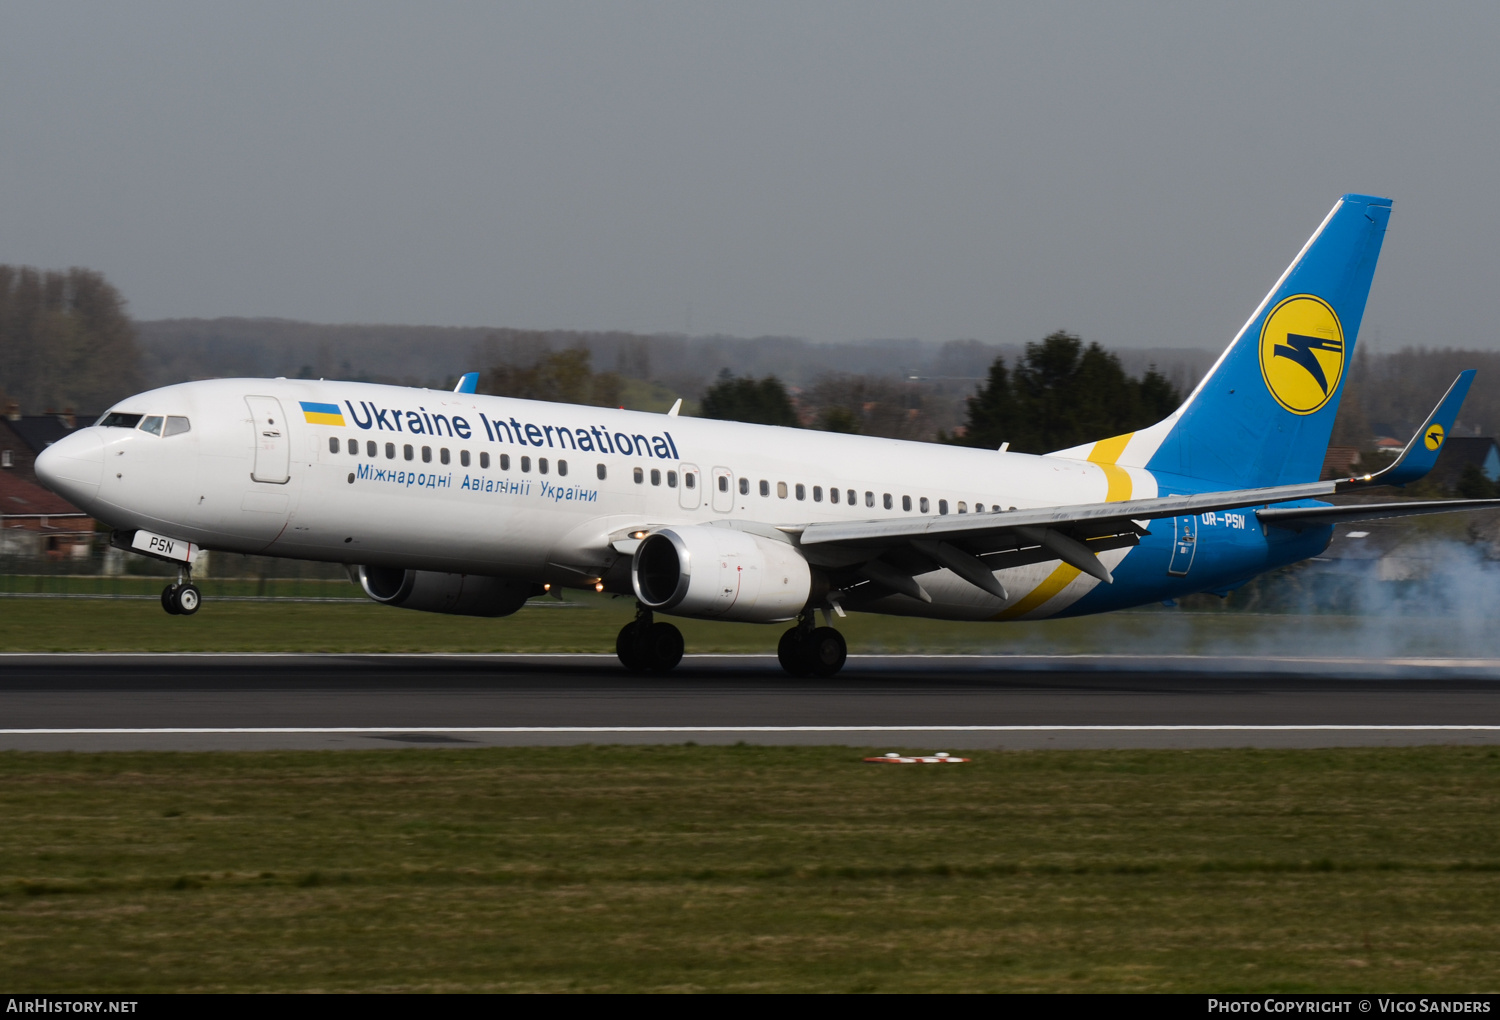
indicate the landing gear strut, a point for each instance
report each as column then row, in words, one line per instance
column 182, row 598
column 645, row 646
column 806, row 650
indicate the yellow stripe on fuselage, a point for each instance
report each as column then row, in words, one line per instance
column 322, row 418
column 1119, row 487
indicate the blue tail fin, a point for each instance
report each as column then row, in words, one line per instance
column 1264, row 412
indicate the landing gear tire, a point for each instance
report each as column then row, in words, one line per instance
column 819, row 652
column 649, row 647
column 189, row 598
column 664, row 647
column 826, row 651
column 630, row 648
column 181, row 599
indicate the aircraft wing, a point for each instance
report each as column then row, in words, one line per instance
column 891, row 553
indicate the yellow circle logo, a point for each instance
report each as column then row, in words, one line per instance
column 1433, row 437
column 1302, row 353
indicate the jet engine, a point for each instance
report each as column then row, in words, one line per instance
column 719, row 573
column 433, row 592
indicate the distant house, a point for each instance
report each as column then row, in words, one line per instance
column 1461, row 451
column 22, row 437
column 35, row 522
column 1338, row 462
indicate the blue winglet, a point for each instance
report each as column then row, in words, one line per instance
column 467, row 383
column 1422, row 452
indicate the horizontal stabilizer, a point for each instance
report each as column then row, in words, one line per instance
column 1299, row 517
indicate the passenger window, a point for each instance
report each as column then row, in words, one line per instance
column 869, row 499
column 354, row 447
column 833, row 495
column 671, row 479
column 801, row 491
column 656, row 476
column 541, row 465
column 333, row 444
column 744, row 486
column 906, row 503
column 765, row 487
column 505, row 462
column 177, row 425
column 601, row 472
column 850, row 494
column 886, row 500
column 152, row 424
column 963, row 507
column 371, row 450
column 817, row 493
column 781, row 490
column 942, row 506
column 562, row 467
column 923, row 505
column 723, row 483
column 484, row 460
column 979, row 508
column 443, row 455
column 525, row 464
column 390, row 451
column 408, row 452
column 640, row 476
column 690, row 479
column 463, row 458
column 426, row 455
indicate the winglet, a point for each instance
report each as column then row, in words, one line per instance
column 467, row 383
column 1421, row 453
column 675, row 408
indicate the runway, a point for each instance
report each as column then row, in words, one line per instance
column 243, row 702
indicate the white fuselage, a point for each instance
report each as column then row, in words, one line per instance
column 464, row 483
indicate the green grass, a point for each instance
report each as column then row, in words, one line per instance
column 751, row 868
column 591, row 622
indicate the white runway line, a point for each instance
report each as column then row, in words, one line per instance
column 1315, row 727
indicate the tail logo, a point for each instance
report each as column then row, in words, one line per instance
column 1433, row 437
column 1302, row 353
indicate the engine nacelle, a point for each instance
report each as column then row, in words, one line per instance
column 434, row 592
column 719, row 573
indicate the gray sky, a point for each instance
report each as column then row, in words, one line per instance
column 1139, row 174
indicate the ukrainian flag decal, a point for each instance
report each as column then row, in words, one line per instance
column 322, row 414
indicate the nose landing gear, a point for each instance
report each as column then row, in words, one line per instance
column 645, row 646
column 806, row 650
column 182, row 598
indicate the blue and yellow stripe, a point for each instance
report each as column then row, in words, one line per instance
column 322, row 414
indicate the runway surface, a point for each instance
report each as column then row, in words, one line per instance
column 220, row 702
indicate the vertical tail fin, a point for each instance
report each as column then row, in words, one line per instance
column 1263, row 414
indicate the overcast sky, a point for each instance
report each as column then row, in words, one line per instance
column 1139, row 174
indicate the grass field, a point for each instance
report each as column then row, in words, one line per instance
column 751, row 868
column 590, row 622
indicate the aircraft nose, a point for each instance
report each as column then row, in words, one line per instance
column 73, row 466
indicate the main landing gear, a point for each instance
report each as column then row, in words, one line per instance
column 182, row 598
column 645, row 646
column 806, row 650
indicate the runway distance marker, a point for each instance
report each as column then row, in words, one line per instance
column 896, row 758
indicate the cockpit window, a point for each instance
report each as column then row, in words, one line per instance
column 176, row 425
column 152, row 424
column 116, row 420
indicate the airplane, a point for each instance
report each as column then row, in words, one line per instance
column 462, row 503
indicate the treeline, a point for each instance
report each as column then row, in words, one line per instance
column 65, row 341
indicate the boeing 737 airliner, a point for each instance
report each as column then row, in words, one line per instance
column 471, row 504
